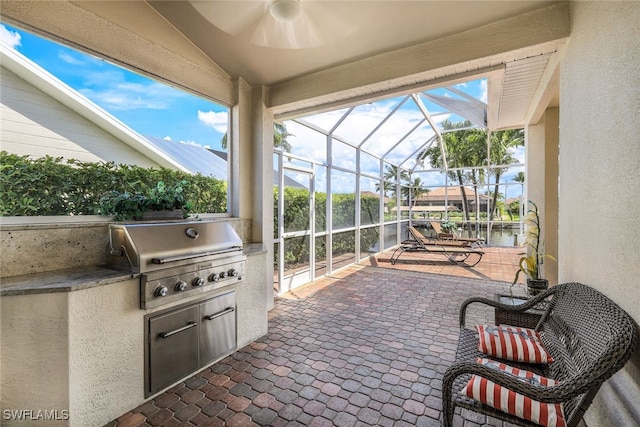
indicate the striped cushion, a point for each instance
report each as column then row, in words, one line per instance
column 512, row 343
column 503, row 399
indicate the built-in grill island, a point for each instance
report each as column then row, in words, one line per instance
column 100, row 340
column 186, row 272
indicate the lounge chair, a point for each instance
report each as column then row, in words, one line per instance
column 455, row 253
column 444, row 239
column 437, row 227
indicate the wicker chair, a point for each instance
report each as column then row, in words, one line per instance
column 588, row 335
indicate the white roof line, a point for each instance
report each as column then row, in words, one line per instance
column 26, row 69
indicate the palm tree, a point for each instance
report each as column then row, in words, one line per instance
column 414, row 190
column 502, row 143
column 392, row 173
column 280, row 135
column 389, row 180
column 519, row 178
column 462, row 150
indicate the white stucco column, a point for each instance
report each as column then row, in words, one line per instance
column 599, row 179
column 241, row 153
column 252, row 173
column 262, row 185
column 549, row 216
column 542, row 184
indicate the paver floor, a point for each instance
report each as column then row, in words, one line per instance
column 367, row 346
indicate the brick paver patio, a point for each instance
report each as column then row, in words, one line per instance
column 368, row 346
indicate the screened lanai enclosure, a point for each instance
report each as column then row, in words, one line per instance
column 349, row 182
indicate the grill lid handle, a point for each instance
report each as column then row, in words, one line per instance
column 191, row 256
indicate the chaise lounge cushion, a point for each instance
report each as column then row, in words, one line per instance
column 512, row 343
column 503, row 399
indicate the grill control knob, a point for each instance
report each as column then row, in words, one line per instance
column 214, row 277
column 198, row 281
column 160, row 291
column 180, row 286
column 223, row 274
column 233, row 272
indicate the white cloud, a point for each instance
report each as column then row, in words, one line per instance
column 167, row 138
column 483, row 89
column 219, row 121
column 131, row 96
column 190, row 142
column 9, row 38
column 67, row 58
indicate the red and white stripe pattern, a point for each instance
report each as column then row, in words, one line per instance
column 503, row 399
column 512, row 343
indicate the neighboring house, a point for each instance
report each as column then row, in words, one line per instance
column 41, row 116
column 452, row 197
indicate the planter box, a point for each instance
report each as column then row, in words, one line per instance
column 162, row 215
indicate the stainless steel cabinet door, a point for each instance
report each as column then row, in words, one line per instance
column 218, row 327
column 173, row 346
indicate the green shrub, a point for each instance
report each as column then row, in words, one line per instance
column 54, row 186
column 296, row 218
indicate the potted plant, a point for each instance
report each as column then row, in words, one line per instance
column 166, row 202
column 162, row 202
column 530, row 262
column 448, row 228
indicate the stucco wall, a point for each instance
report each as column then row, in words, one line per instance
column 599, row 180
column 253, row 300
column 35, row 367
column 106, row 348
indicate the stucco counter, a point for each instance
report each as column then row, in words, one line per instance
column 68, row 280
column 73, row 340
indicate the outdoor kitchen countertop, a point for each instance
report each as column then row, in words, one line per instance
column 62, row 280
column 250, row 249
column 75, row 279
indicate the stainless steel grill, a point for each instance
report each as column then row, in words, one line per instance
column 182, row 266
column 177, row 260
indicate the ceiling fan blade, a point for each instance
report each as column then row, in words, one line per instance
column 269, row 32
column 233, row 17
column 318, row 23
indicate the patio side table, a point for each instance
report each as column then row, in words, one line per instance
column 527, row 319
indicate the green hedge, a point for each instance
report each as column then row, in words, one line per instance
column 296, row 218
column 53, row 186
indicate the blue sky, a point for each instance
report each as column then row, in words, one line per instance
column 146, row 106
column 157, row 110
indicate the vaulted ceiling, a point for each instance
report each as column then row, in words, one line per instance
column 357, row 51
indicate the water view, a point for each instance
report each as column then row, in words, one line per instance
column 502, row 234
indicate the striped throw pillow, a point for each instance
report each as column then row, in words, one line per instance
column 503, row 399
column 512, row 343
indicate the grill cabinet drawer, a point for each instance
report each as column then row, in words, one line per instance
column 181, row 341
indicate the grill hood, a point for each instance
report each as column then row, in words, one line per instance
column 141, row 248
